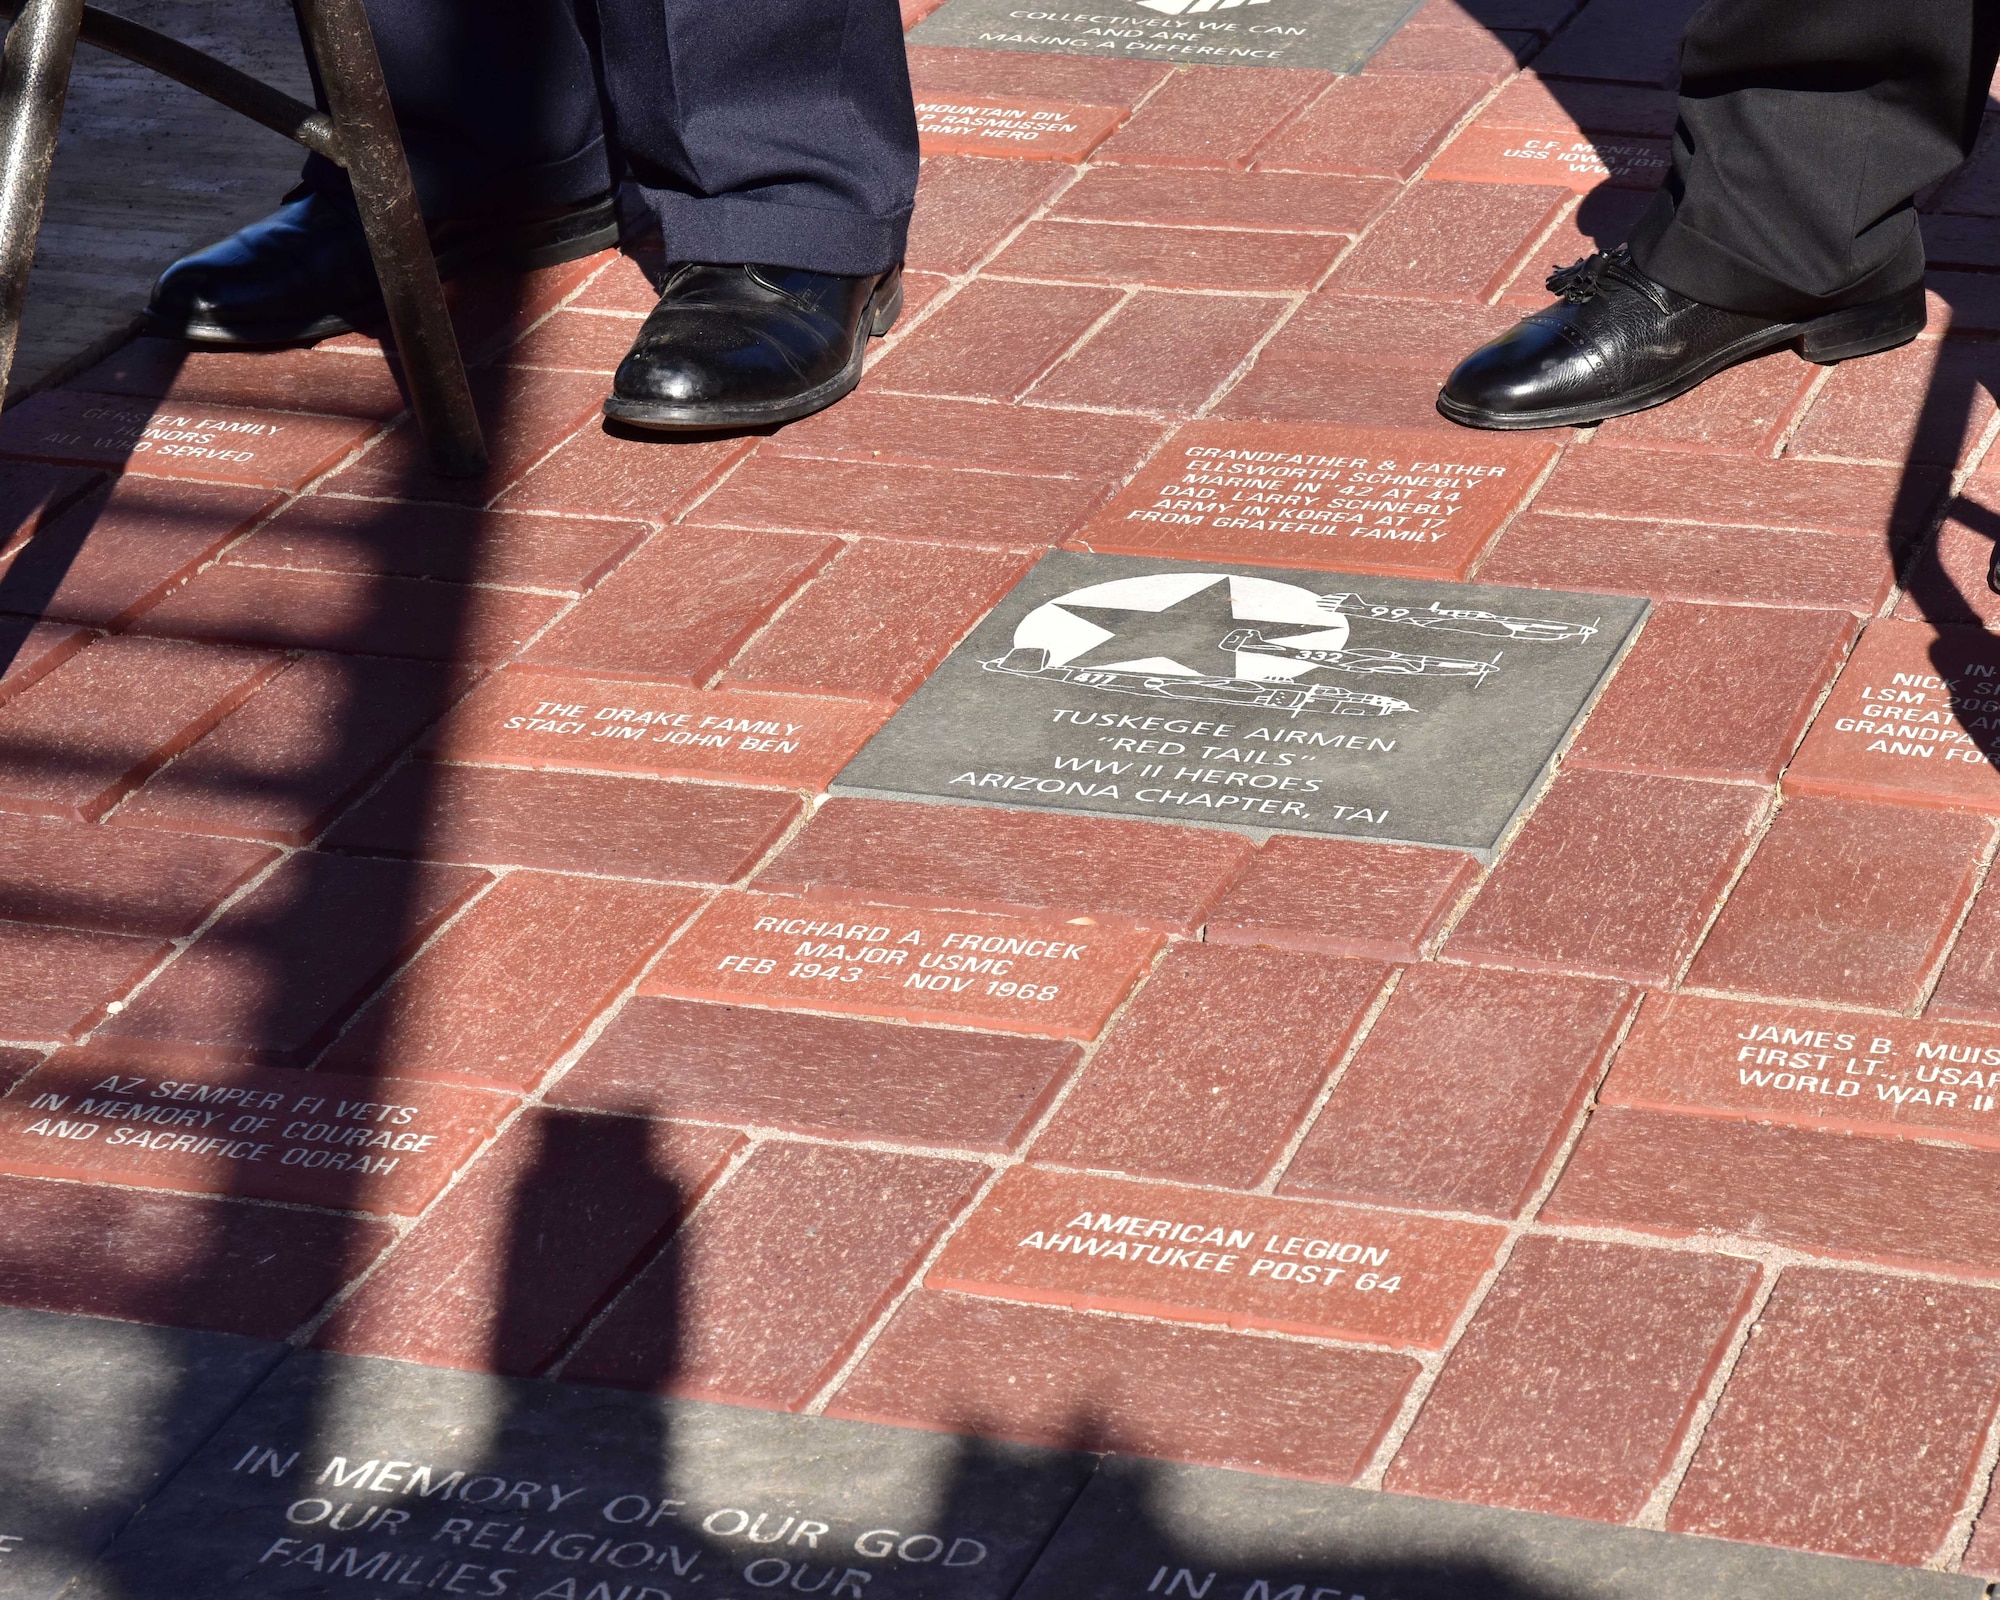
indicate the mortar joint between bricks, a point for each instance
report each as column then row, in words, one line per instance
column 643, row 1258
column 1951, row 1549
column 1758, row 830
column 1283, row 1162
column 1982, row 874
column 1653, row 1514
column 1559, row 1157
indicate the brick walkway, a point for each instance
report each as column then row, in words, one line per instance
column 1644, row 1175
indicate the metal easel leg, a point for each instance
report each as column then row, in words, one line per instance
column 365, row 127
column 34, row 81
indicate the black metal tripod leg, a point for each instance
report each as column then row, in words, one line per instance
column 34, row 81
column 365, row 126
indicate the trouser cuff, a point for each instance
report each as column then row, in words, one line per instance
column 729, row 229
column 1668, row 251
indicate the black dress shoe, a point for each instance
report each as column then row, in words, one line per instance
column 1618, row 342
column 304, row 272
column 743, row 346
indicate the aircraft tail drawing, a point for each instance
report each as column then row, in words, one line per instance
column 1329, row 699
column 1362, row 658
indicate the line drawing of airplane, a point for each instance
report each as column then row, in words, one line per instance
column 1328, row 698
column 1532, row 630
column 1363, row 658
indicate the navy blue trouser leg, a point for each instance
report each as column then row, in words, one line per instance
column 779, row 131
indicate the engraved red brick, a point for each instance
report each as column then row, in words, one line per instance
column 510, row 986
column 514, row 1260
column 1194, row 1255
column 1807, row 1067
column 1050, row 1377
column 568, row 822
column 831, row 1077
column 280, row 767
column 1574, row 1386
column 1112, row 82
column 1283, row 202
column 1451, row 241
column 1908, row 721
column 992, row 340
column 1000, row 973
column 1214, row 1066
column 1614, row 874
column 184, row 1260
column 599, row 474
column 1768, row 666
column 117, row 551
column 1736, row 491
column 1213, row 116
column 1530, row 101
column 1162, row 353
column 872, row 426
column 1169, row 258
column 1342, row 522
column 732, row 1310
column 55, row 983
column 1845, row 901
column 1880, row 1472
column 1685, row 561
column 1745, row 410
column 842, row 497
column 351, row 611
column 1373, row 126
column 1465, row 1090
column 965, row 206
column 1341, row 898
column 557, row 721
column 362, row 385
column 1928, row 402
column 370, row 1144
column 79, row 876
column 525, row 412
column 1034, row 130
column 1021, row 863
column 450, row 543
column 162, row 439
column 1946, row 581
column 878, row 621
column 277, row 972
column 79, row 739
column 1488, row 152
column 717, row 587
column 1892, row 1201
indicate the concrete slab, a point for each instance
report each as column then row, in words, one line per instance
column 411, row 1478
column 1148, row 1528
column 94, row 1415
column 1331, row 35
column 1254, row 698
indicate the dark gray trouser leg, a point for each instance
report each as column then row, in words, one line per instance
column 766, row 130
column 1806, row 127
column 778, row 131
